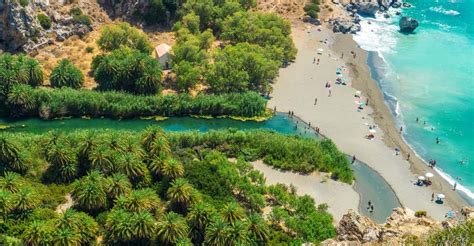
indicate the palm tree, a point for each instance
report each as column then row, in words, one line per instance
column 171, row 228
column 238, row 233
column 26, row 200
column 89, row 193
column 65, row 74
column 64, row 160
column 19, row 164
column 119, row 226
column 139, row 200
column 258, row 228
column 181, row 194
column 87, row 227
column 118, row 185
column 8, row 150
column 66, row 237
column 199, row 218
column 87, row 144
column 217, row 233
column 154, row 142
column 38, row 233
column 102, row 159
column 35, row 74
column 6, row 204
column 157, row 163
column 11, row 182
column 145, row 226
column 172, row 168
column 232, row 212
column 131, row 166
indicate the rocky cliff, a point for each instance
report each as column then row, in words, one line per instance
column 22, row 30
column 402, row 227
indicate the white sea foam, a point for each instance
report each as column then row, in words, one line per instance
column 444, row 11
column 379, row 35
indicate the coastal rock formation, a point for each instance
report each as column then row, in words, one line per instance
column 355, row 229
column 408, row 24
column 20, row 29
column 367, row 8
column 345, row 25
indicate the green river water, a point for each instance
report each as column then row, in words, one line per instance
column 369, row 184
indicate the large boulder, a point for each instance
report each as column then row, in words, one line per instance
column 354, row 227
column 408, row 24
column 367, row 8
column 345, row 26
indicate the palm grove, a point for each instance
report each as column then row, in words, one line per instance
column 152, row 188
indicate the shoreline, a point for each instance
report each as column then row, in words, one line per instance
column 338, row 119
column 384, row 118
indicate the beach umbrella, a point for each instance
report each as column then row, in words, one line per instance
column 421, row 177
column 320, row 50
column 429, row 175
column 441, row 196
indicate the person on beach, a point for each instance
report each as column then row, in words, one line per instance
column 342, row 56
column 367, row 102
column 314, row 60
column 454, row 186
column 318, row 62
column 401, row 130
column 408, row 157
column 315, row 101
column 371, row 208
column 432, row 196
column 330, row 91
column 417, row 119
column 370, row 204
column 437, row 140
column 353, row 159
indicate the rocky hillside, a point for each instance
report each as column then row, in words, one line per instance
column 402, row 227
column 30, row 25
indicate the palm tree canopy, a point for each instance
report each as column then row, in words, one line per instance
column 171, row 228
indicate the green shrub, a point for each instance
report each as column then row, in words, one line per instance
column 79, row 17
column 115, row 36
column 312, row 10
column 65, row 74
column 420, row 214
column 76, row 11
column 24, row 3
column 89, row 49
column 44, row 21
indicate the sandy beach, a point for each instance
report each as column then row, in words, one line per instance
column 302, row 82
column 321, row 189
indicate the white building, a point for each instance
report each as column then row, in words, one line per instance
column 162, row 54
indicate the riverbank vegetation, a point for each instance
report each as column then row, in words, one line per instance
column 157, row 188
column 25, row 101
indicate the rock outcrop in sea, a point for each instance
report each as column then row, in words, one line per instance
column 408, row 24
column 20, row 29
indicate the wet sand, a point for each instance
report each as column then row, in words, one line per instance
column 337, row 116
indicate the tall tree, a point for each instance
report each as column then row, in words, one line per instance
column 90, row 192
column 199, row 218
column 114, row 36
column 232, row 212
column 38, row 233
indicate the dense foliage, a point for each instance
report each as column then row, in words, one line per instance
column 155, row 188
column 241, row 68
column 462, row 234
column 114, row 36
column 267, row 30
column 128, row 70
column 65, row 74
column 24, row 101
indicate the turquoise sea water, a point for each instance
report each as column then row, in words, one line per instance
column 429, row 75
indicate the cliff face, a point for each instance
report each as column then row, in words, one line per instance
column 20, row 29
column 401, row 227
